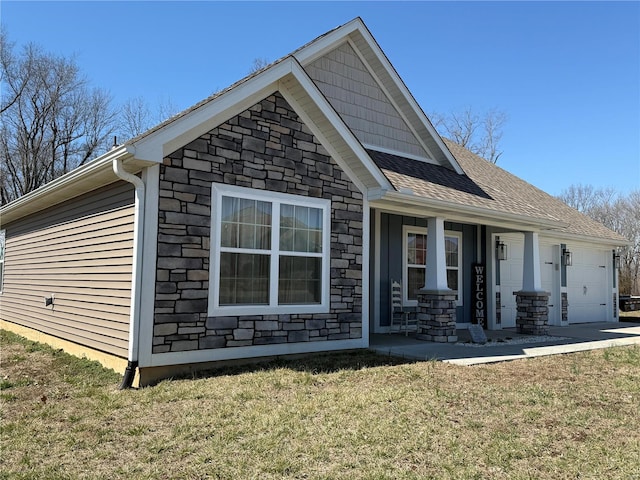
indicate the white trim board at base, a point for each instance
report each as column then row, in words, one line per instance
column 237, row 353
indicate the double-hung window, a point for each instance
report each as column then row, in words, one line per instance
column 270, row 253
column 415, row 262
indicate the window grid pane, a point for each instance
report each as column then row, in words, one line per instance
column 245, row 223
column 451, row 249
column 244, row 279
column 415, row 281
column 300, row 229
column 416, row 249
column 300, row 280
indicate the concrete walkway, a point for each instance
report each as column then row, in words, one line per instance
column 506, row 344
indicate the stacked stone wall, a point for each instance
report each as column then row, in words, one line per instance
column 437, row 316
column 533, row 312
column 267, row 147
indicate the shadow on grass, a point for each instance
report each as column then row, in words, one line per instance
column 317, row 363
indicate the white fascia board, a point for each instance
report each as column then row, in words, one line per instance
column 453, row 211
column 68, row 186
column 237, row 353
column 192, row 125
column 572, row 237
column 338, row 124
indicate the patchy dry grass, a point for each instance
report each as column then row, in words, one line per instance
column 356, row 416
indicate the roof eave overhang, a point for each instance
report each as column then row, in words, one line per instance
column 94, row 174
column 408, row 203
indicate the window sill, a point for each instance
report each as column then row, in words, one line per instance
column 252, row 310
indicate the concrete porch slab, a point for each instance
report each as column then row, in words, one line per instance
column 507, row 345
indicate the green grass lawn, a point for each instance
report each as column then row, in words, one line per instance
column 357, row 416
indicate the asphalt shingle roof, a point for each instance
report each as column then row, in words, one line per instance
column 485, row 185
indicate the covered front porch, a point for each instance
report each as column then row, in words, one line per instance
column 447, row 270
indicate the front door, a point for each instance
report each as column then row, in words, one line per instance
column 511, row 278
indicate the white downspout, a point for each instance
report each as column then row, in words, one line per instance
column 136, row 273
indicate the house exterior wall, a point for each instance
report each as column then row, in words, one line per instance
column 391, row 262
column 351, row 89
column 81, row 252
column 266, row 148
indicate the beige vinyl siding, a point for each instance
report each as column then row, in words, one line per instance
column 353, row 92
column 81, row 251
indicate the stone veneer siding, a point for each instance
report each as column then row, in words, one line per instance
column 437, row 316
column 532, row 316
column 267, row 147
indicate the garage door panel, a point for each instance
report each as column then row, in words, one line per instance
column 587, row 286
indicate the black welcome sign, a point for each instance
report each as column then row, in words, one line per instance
column 479, row 294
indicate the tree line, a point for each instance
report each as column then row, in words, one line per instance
column 52, row 120
column 618, row 212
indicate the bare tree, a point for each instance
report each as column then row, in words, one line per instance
column 137, row 117
column 479, row 133
column 588, row 199
column 52, row 121
column 630, row 229
column 258, row 64
column 619, row 213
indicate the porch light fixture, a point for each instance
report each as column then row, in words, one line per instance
column 616, row 260
column 567, row 259
column 501, row 250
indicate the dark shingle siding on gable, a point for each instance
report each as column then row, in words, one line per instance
column 420, row 170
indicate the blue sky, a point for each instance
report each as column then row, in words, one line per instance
column 566, row 74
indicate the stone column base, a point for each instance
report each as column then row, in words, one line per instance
column 437, row 316
column 533, row 312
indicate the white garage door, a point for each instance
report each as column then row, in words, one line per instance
column 587, row 285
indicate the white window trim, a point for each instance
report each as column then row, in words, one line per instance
column 406, row 230
column 214, row 308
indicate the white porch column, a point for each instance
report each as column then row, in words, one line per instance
column 436, row 274
column 531, row 278
column 436, row 302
